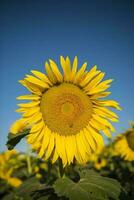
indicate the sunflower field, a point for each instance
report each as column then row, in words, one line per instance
column 64, row 119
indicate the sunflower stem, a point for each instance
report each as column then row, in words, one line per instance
column 29, row 165
column 61, row 169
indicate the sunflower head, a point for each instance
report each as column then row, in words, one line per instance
column 130, row 139
column 124, row 145
column 98, row 158
column 100, row 163
column 66, row 110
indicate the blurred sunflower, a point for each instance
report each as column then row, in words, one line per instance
column 98, row 159
column 100, row 163
column 7, row 168
column 18, row 126
column 124, row 145
column 37, row 169
column 66, row 112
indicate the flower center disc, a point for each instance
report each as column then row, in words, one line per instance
column 66, row 109
column 130, row 140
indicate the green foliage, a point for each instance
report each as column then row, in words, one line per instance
column 91, row 186
column 31, row 189
column 123, row 171
column 3, row 187
column 43, row 182
column 14, row 139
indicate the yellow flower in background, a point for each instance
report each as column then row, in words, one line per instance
column 15, row 182
column 98, row 159
column 100, row 163
column 124, row 145
column 6, row 168
column 66, row 110
column 18, row 126
column 41, row 166
column 96, row 154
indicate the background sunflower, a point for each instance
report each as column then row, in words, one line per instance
column 124, row 144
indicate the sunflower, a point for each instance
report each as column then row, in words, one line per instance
column 18, row 126
column 66, row 111
column 124, row 145
column 98, row 159
column 100, row 163
column 7, row 167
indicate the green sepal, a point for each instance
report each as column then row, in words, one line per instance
column 14, row 139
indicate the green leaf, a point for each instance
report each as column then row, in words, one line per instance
column 108, row 186
column 14, row 139
column 4, row 187
column 66, row 187
column 27, row 188
column 31, row 189
column 8, row 196
column 91, row 186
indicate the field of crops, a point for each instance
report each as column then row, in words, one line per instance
column 107, row 175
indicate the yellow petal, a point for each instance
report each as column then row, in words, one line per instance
column 77, row 153
column 56, row 71
column 18, row 126
column 95, row 124
column 98, row 90
column 81, row 147
column 107, row 111
column 35, row 137
column 74, row 69
column 86, row 145
column 109, row 103
column 55, row 156
column 100, row 87
column 29, row 97
column 34, row 118
column 103, row 121
column 29, row 104
column 31, row 87
column 89, row 138
column 37, row 81
column 106, row 82
column 83, row 76
column 37, row 127
column 93, row 72
column 94, row 82
column 80, row 73
column 70, row 148
column 36, row 146
column 60, row 148
column 31, row 111
column 40, row 135
column 45, row 141
column 21, row 110
column 41, row 76
column 97, row 137
column 66, row 67
column 100, row 95
column 105, row 115
column 50, row 73
column 50, row 147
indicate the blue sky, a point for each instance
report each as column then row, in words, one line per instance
column 99, row 32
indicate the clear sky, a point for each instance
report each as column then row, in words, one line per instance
column 100, row 32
